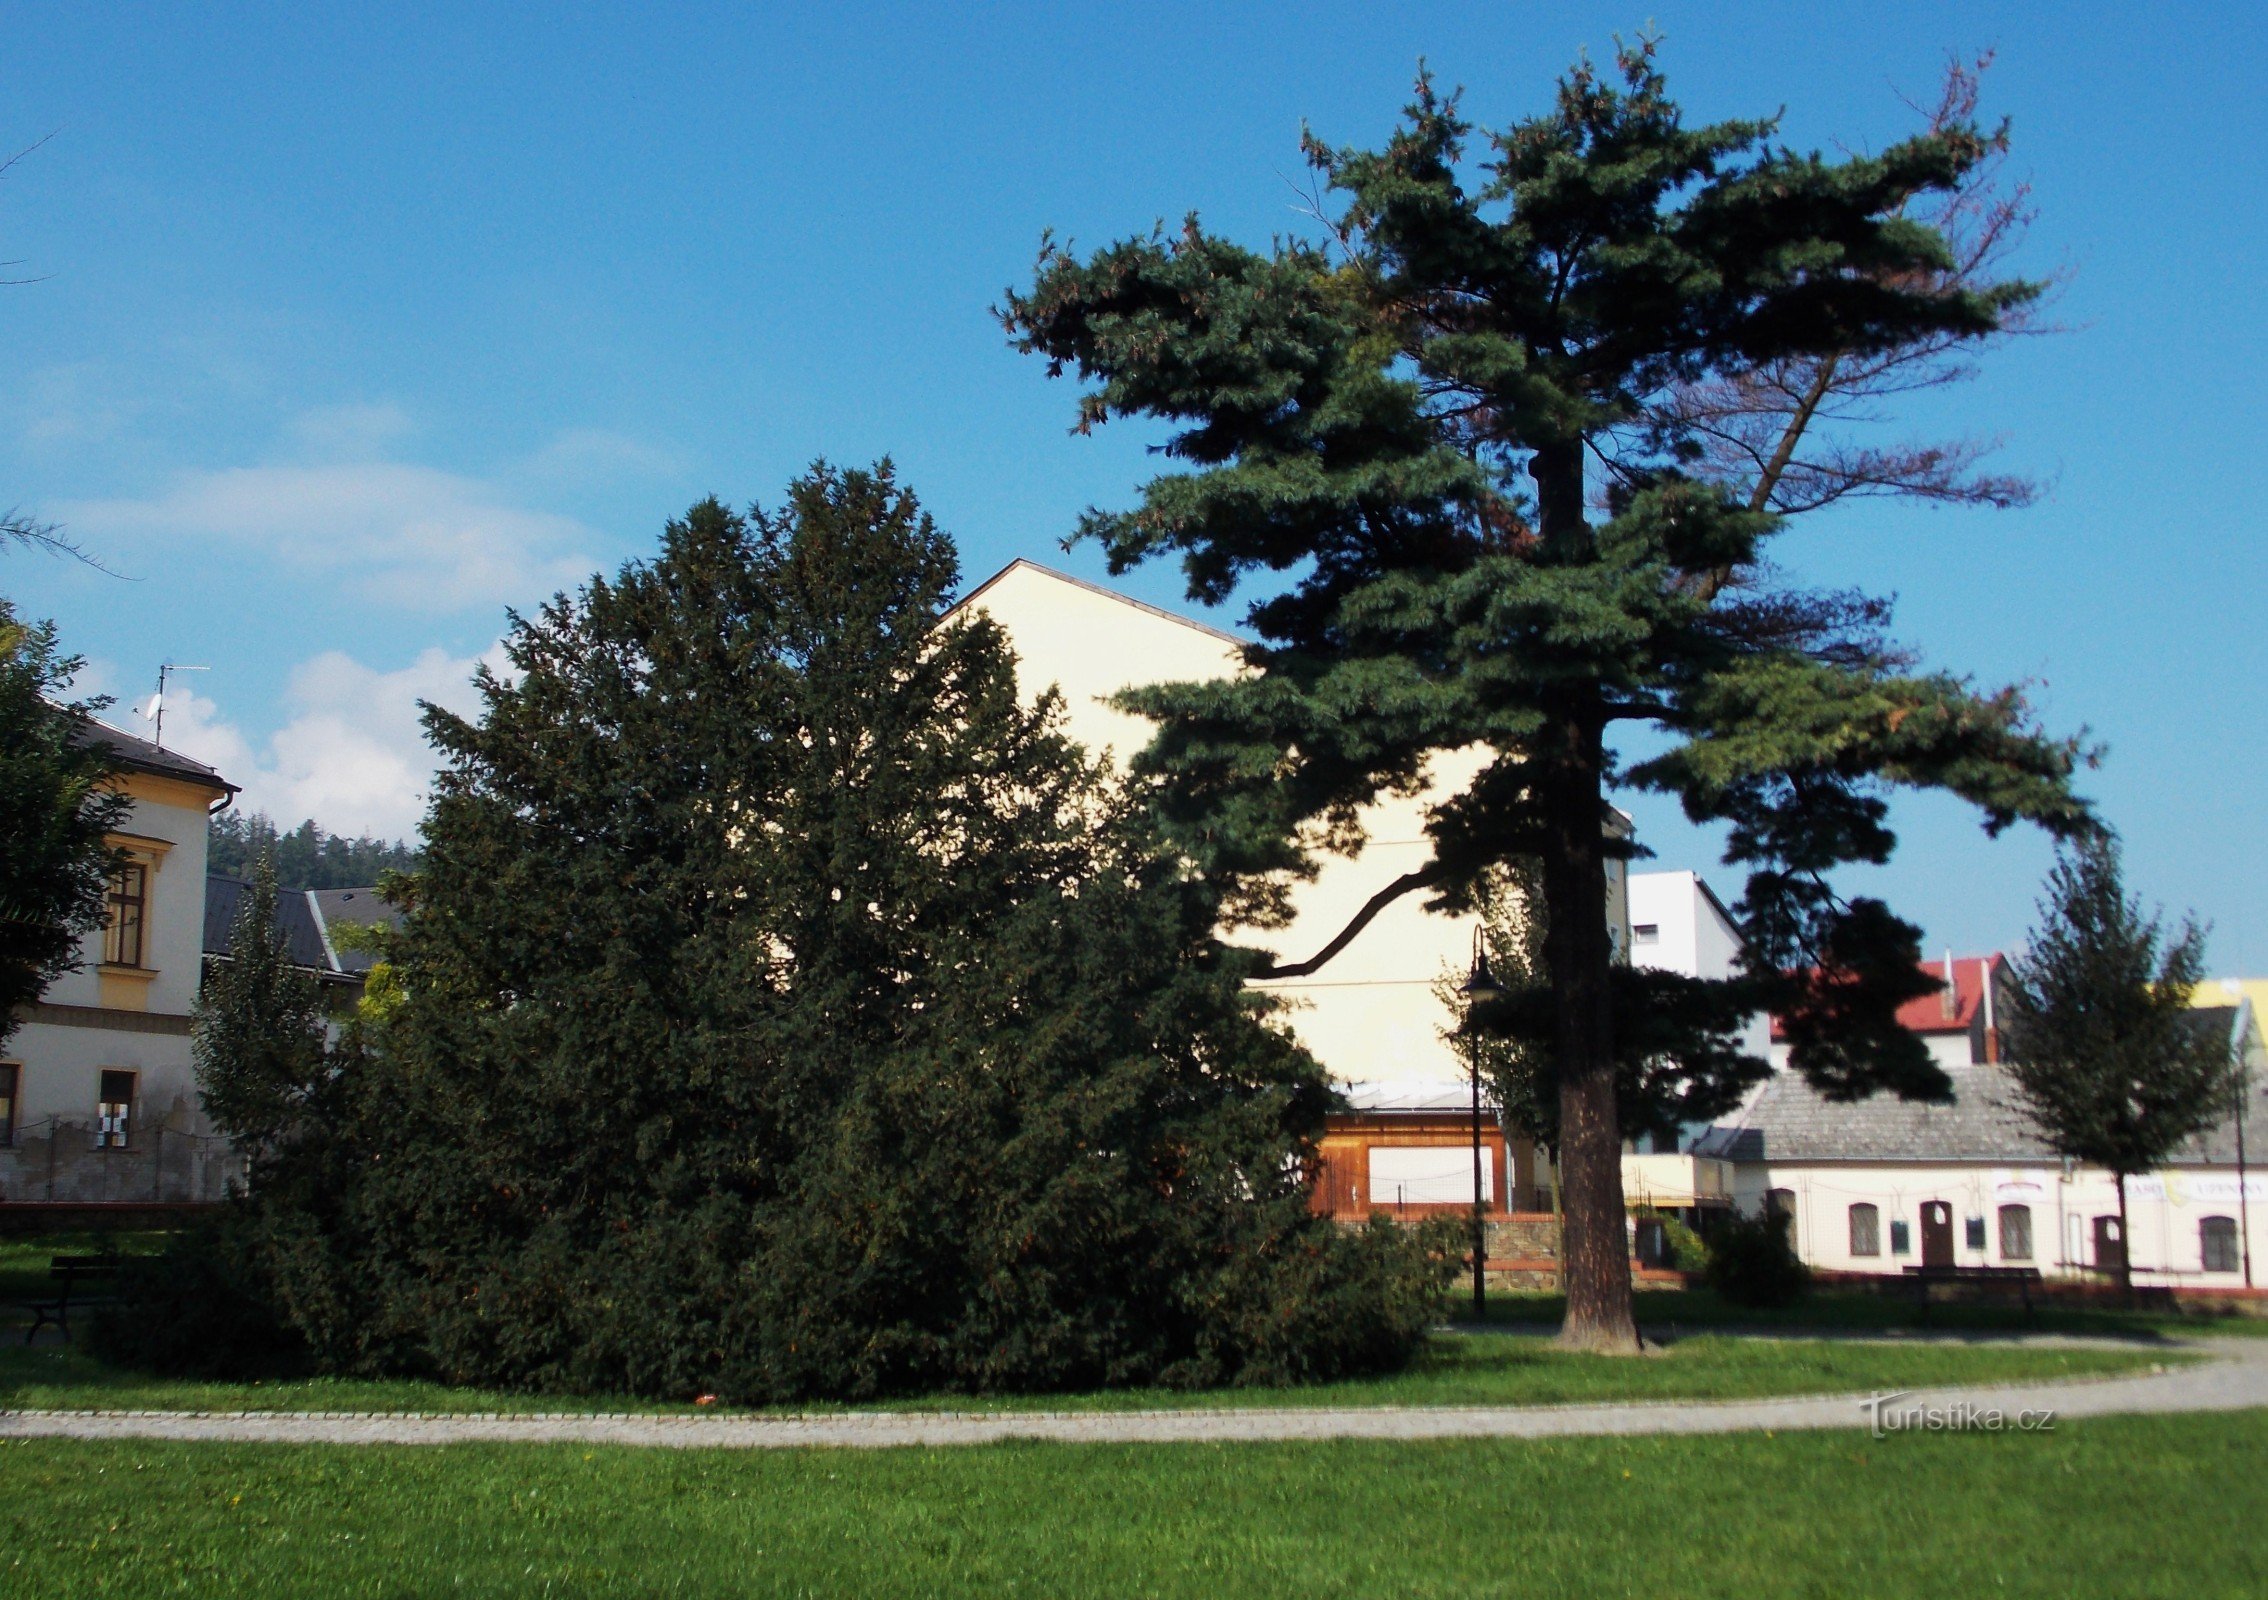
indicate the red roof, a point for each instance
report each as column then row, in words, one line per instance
column 1931, row 1014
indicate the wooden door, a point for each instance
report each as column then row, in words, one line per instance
column 2110, row 1244
column 1936, row 1233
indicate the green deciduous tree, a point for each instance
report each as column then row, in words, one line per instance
column 1467, row 434
column 2111, row 1061
column 788, row 1009
column 57, row 805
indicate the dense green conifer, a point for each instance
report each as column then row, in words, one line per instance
column 1463, row 433
column 2111, row 1061
column 788, row 1009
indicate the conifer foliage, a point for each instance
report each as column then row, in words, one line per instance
column 1459, row 425
column 2103, row 1046
column 257, row 1032
column 787, row 1009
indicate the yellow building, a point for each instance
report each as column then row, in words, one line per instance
column 98, row 1099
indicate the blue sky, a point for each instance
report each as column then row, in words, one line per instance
column 348, row 333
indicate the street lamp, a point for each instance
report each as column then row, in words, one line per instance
column 1482, row 985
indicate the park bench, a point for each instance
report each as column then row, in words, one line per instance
column 2021, row 1277
column 69, row 1272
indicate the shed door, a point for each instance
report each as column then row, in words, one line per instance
column 1936, row 1234
column 2110, row 1244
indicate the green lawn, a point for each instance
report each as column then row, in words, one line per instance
column 25, row 1258
column 2126, row 1507
column 1668, row 1310
column 1478, row 1369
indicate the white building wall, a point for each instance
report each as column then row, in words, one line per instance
column 2165, row 1211
column 1371, row 1015
column 95, row 1019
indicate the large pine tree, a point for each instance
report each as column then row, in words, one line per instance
column 1463, row 433
column 789, row 1009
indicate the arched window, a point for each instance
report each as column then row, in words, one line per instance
column 2015, row 1233
column 2216, row 1240
column 1866, row 1230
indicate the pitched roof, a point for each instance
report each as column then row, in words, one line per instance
column 1787, row 1120
column 1093, row 588
column 295, row 920
column 137, row 754
column 334, row 906
column 1930, row 1013
column 307, row 919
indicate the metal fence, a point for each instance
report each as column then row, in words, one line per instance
column 99, row 1160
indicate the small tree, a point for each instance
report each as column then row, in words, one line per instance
column 257, row 1031
column 2103, row 1046
column 56, row 808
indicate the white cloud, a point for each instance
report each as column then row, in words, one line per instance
column 352, row 753
column 586, row 455
column 351, row 432
column 411, row 535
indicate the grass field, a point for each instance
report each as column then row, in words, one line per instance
column 1455, row 1369
column 24, row 1258
column 2126, row 1507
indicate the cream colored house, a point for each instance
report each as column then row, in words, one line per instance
column 1374, row 1015
column 1885, row 1184
column 98, row 1101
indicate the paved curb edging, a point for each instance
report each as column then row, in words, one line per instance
column 2234, row 1376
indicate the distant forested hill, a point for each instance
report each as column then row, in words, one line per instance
column 306, row 857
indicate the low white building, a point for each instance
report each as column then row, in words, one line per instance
column 98, row 1098
column 1884, row 1184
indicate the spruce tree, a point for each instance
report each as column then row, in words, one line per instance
column 57, row 807
column 1458, row 440
column 786, row 1008
column 257, row 1030
column 2103, row 1046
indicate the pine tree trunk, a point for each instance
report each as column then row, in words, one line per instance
column 1594, row 1246
column 1594, row 1259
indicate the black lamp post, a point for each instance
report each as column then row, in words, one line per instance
column 1482, row 985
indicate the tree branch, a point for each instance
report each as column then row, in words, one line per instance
column 1423, row 878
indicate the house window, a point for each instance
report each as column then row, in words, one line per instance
column 1972, row 1229
column 114, row 1108
column 2216, row 1238
column 129, row 900
column 11, row 1077
column 1866, row 1230
column 1646, row 932
column 2015, row 1233
column 1901, row 1238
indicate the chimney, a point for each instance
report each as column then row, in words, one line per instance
column 1989, row 972
column 1951, row 998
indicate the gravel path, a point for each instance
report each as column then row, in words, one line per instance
column 2233, row 1376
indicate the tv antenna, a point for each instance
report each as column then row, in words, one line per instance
column 156, row 711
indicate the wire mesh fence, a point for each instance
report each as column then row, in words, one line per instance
column 114, row 1157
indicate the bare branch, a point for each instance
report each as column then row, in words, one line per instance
column 1407, row 883
column 1783, row 434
